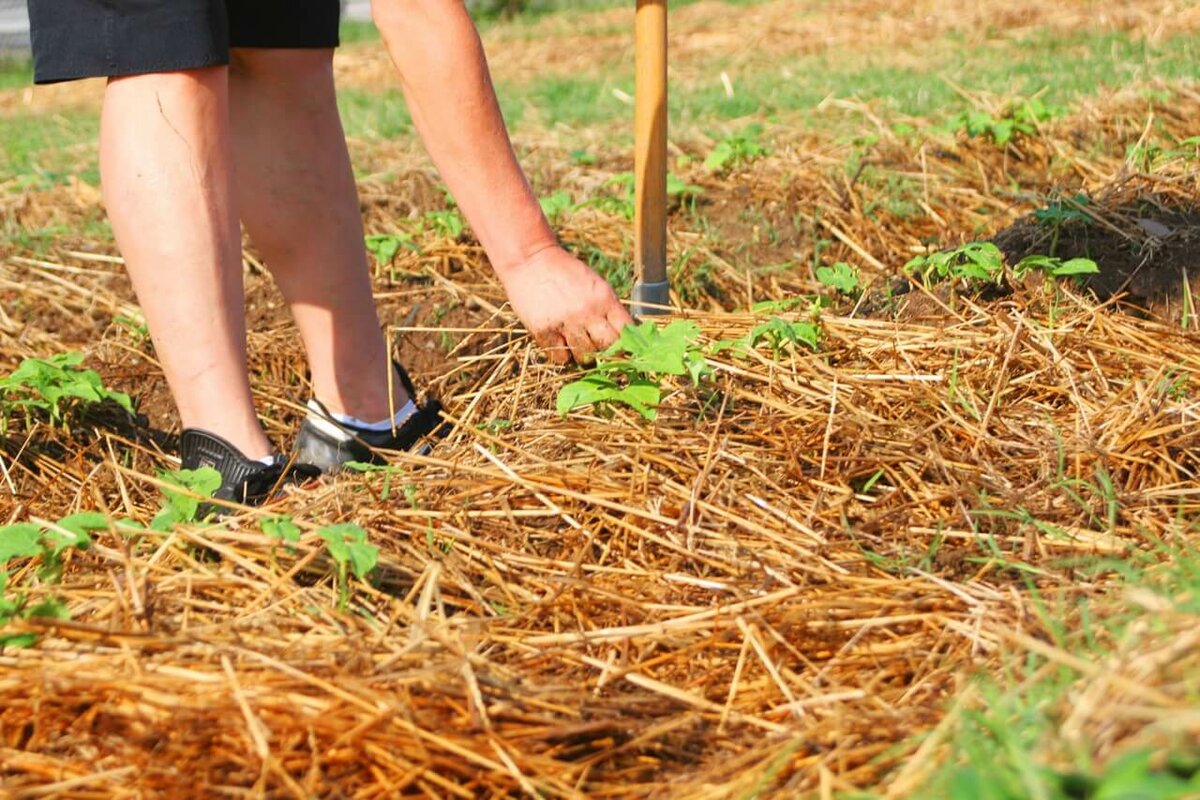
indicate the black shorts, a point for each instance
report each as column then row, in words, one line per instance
column 106, row 38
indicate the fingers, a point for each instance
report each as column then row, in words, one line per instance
column 582, row 348
column 555, row 346
column 582, row 335
column 618, row 317
column 602, row 333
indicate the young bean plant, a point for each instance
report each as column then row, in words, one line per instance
column 57, row 386
column 631, row 372
column 47, row 543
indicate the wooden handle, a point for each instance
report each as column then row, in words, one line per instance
column 650, row 154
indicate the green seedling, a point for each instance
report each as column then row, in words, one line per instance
column 1016, row 119
column 17, row 607
column 623, row 203
column 281, row 528
column 582, row 158
column 185, row 506
column 1061, row 212
column 782, row 306
column 496, row 426
column 841, row 277
column 631, row 371
column 976, row 261
column 56, row 386
column 351, row 552
column 737, row 150
column 386, row 246
column 557, row 205
column 1051, row 267
column 782, row 335
column 386, row 470
column 47, row 543
column 137, row 328
column 1148, row 156
column 1175, row 385
column 448, row 224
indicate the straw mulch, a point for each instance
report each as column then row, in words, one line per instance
column 772, row 589
column 605, row 607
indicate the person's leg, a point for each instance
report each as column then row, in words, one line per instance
column 166, row 164
column 296, row 193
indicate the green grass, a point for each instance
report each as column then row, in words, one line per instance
column 1067, row 68
column 374, row 115
column 15, row 73
column 1010, row 745
column 46, row 149
column 355, row 31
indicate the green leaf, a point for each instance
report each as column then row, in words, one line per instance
column 556, row 205
column 725, row 345
column 589, row 390
column 781, row 334
column 1133, row 777
column 347, row 544
column 166, row 520
column 779, row 306
column 655, row 351
column 697, row 366
column 642, row 395
column 50, row 608
column 281, row 528
column 1002, row 131
column 1076, row 266
column 1030, row 264
column 20, row 540
column 447, row 223
column 18, row 640
column 677, row 187
column 82, row 525
column 202, row 482
column 385, row 246
column 841, row 277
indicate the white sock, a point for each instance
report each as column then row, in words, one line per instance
column 266, row 461
column 395, row 422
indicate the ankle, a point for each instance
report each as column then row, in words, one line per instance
column 372, row 401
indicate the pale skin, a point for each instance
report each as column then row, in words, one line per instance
column 185, row 155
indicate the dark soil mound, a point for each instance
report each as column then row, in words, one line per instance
column 1148, row 252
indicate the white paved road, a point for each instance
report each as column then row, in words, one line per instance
column 14, row 26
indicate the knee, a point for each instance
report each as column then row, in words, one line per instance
column 279, row 66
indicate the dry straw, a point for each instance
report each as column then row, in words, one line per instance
column 770, row 590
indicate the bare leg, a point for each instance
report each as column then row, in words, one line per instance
column 166, row 163
column 297, row 197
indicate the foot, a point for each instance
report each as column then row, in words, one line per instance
column 243, row 480
column 327, row 443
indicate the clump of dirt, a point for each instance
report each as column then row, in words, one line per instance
column 1148, row 252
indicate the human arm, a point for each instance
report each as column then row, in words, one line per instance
column 567, row 308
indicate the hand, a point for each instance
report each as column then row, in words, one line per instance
column 569, row 310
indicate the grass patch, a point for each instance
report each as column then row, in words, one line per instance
column 1037, row 727
column 49, row 148
column 374, row 115
column 353, row 30
column 1067, row 68
column 15, row 73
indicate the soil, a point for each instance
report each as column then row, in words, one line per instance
column 1146, row 259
